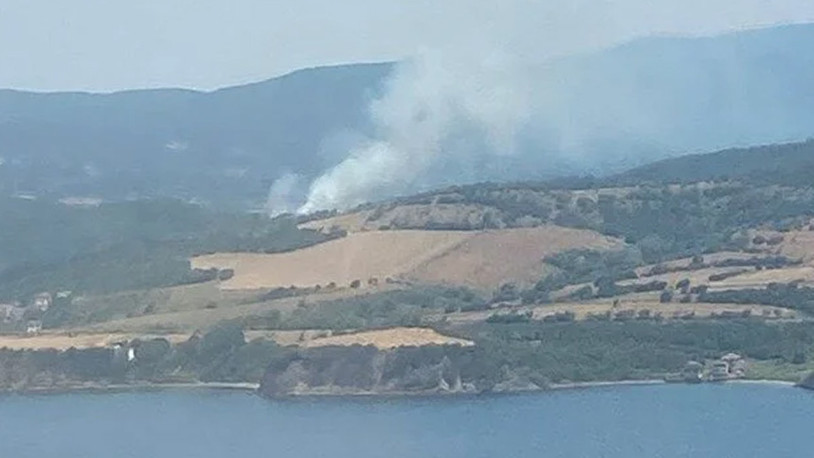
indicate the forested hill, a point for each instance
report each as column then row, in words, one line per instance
column 47, row 246
column 599, row 113
column 221, row 146
column 789, row 164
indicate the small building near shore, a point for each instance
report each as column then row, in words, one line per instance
column 719, row 371
column 737, row 365
column 33, row 327
column 729, row 366
column 692, row 372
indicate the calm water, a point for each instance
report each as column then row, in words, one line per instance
column 652, row 421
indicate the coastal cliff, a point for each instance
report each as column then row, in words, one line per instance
column 409, row 370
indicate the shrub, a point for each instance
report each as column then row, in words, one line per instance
column 509, row 318
column 225, row 274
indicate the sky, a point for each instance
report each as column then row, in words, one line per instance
column 107, row 45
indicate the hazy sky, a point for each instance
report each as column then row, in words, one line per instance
column 104, row 45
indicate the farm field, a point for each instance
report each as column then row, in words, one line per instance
column 478, row 259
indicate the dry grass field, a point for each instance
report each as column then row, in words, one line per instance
column 582, row 310
column 359, row 256
column 476, row 259
column 798, row 244
column 164, row 300
column 761, row 278
column 380, row 338
column 203, row 318
column 389, row 338
column 696, row 277
column 487, row 259
column 64, row 340
column 711, row 258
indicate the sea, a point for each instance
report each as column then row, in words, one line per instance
column 706, row 420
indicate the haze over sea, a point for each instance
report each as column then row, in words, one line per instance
column 663, row 421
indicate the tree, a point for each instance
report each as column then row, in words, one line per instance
column 223, row 338
column 683, row 286
column 605, row 287
column 584, row 293
column 666, row 296
column 507, row 292
column 225, row 274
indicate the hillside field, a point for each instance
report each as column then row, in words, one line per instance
column 479, row 259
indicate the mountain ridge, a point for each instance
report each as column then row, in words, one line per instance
column 649, row 98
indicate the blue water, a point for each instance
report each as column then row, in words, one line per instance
column 651, row 421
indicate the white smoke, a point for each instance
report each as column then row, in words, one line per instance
column 461, row 114
column 284, row 195
column 436, row 109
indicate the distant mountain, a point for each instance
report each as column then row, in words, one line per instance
column 650, row 99
column 658, row 97
column 226, row 145
column 790, row 164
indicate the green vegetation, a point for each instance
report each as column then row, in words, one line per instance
column 218, row 355
column 130, row 245
column 789, row 295
column 522, row 354
column 589, row 266
column 786, row 164
column 505, row 352
column 406, row 307
column 601, row 350
column 147, row 244
column 181, row 143
column 510, row 317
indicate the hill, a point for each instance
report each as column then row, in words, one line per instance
column 790, row 164
column 223, row 146
column 666, row 96
column 489, row 287
column 50, row 246
column 651, row 98
column 481, row 260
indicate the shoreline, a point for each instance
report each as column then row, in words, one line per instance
column 600, row 384
column 253, row 388
column 136, row 387
column 763, row 382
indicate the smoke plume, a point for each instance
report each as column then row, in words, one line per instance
column 468, row 113
column 430, row 115
column 285, row 195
